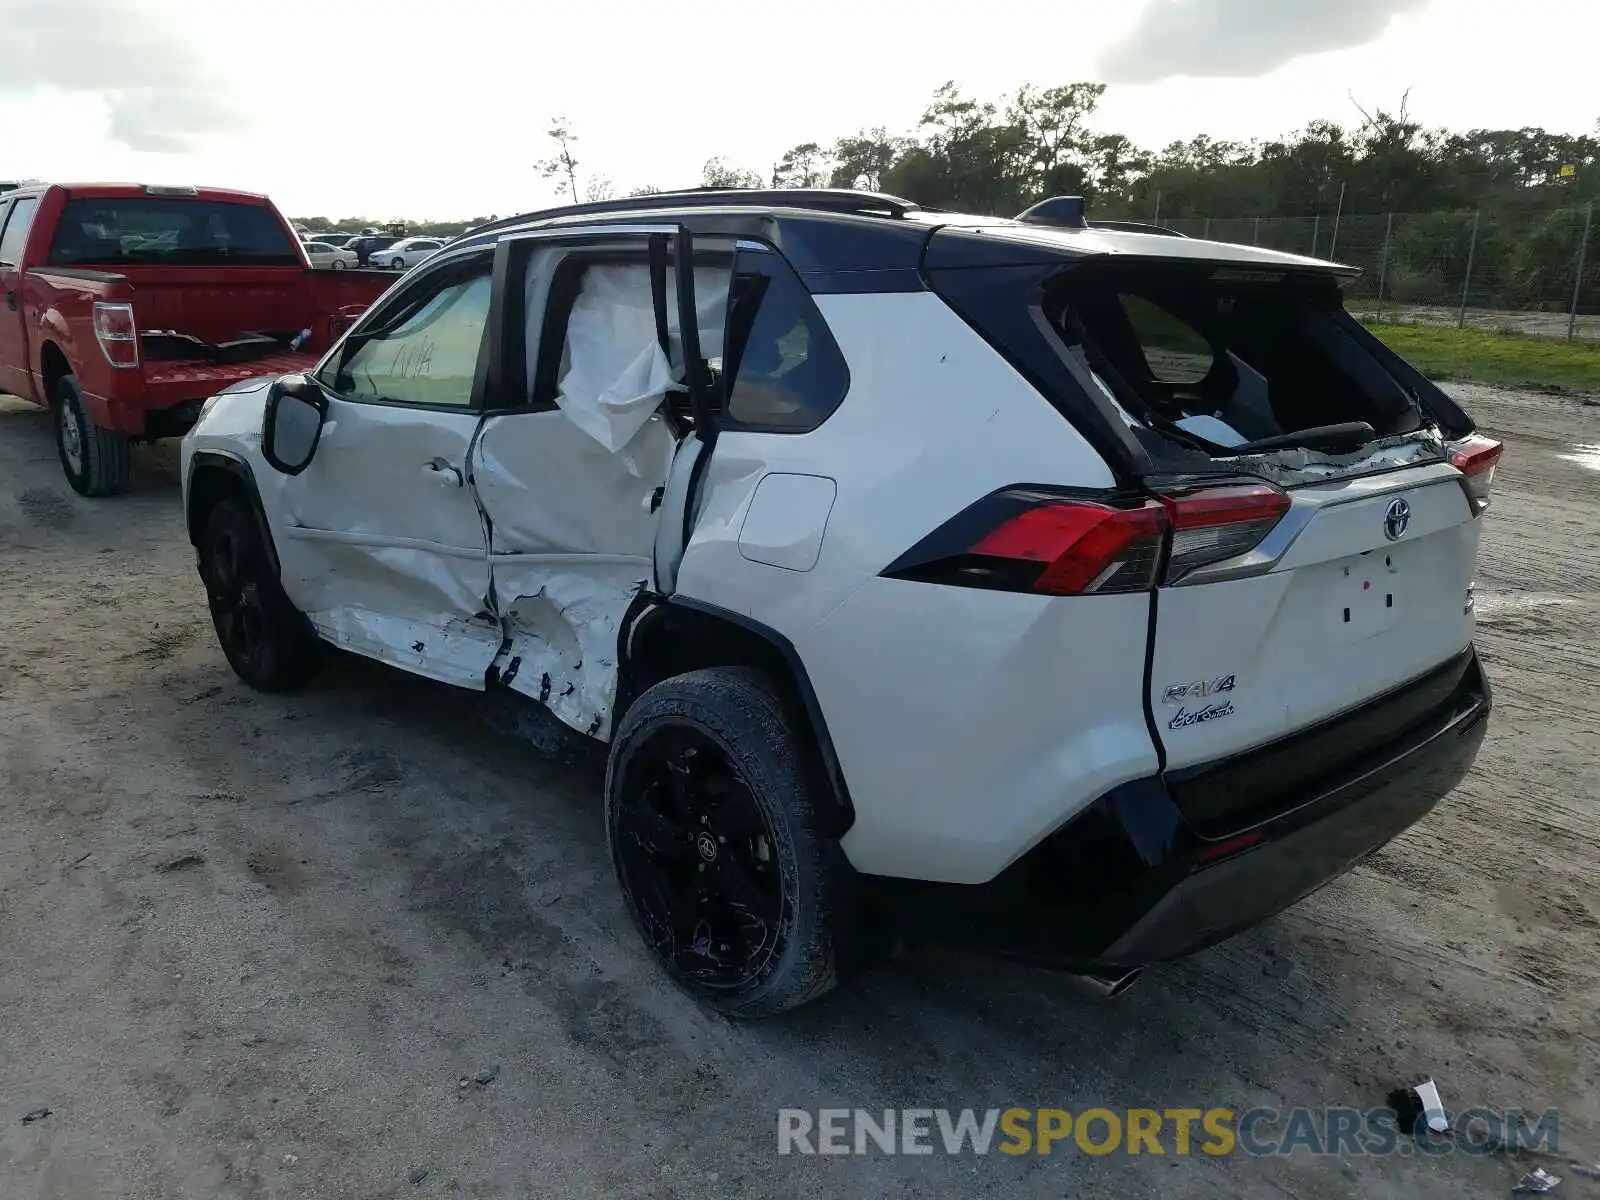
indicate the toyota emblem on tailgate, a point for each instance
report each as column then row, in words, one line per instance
column 1396, row 519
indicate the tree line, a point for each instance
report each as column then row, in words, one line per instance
column 997, row 157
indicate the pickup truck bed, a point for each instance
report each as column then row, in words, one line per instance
column 125, row 307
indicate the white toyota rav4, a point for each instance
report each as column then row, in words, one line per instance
column 1078, row 592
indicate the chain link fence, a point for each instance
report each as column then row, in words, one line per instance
column 1536, row 274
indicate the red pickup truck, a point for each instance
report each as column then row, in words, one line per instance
column 125, row 306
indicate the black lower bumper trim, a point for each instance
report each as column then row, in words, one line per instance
column 1132, row 880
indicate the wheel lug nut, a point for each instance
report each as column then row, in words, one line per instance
column 722, row 840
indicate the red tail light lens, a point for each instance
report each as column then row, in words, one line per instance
column 1082, row 547
column 1212, row 524
column 1475, row 457
column 1024, row 540
column 115, row 331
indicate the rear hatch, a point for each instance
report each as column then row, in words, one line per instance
column 1320, row 498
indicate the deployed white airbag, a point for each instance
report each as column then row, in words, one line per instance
column 613, row 371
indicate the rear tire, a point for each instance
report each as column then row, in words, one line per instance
column 95, row 460
column 717, row 844
column 267, row 641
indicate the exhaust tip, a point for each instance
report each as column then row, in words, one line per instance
column 1107, row 987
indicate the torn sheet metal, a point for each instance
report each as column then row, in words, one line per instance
column 456, row 651
column 562, row 621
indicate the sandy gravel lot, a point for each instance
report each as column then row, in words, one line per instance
column 251, row 946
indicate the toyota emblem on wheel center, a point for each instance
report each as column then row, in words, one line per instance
column 1396, row 519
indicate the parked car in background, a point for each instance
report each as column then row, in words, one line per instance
column 331, row 257
column 1080, row 594
column 366, row 245
column 408, row 252
column 334, row 237
column 126, row 306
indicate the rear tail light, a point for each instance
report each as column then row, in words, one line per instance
column 1079, row 547
column 1216, row 523
column 1057, row 545
column 1475, row 457
column 115, row 331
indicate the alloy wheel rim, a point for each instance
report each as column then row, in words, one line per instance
column 235, row 599
column 71, row 438
column 697, row 858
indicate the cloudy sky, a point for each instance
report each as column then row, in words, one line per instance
column 426, row 108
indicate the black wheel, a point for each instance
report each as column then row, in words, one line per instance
column 268, row 643
column 95, row 460
column 716, row 843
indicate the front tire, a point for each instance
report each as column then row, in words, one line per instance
column 266, row 640
column 95, row 460
column 338, row 264
column 717, row 844
column 399, row 264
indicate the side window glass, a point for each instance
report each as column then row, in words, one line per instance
column 422, row 349
column 1174, row 350
column 15, row 235
column 786, row 373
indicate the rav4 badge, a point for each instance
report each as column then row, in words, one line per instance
column 1177, row 693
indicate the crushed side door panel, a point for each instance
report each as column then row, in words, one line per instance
column 573, row 493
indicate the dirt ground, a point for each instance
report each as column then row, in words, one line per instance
column 253, row 946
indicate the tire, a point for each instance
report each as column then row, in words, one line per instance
column 95, row 460
column 714, row 835
column 399, row 264
column 266, row 640
column 338, row 264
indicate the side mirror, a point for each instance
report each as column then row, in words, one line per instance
column 292, row 425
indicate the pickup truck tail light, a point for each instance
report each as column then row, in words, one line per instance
column 117, row 334
column 1475, row 457
column 1023, row 540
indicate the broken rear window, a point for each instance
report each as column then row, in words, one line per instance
column 1231, row 356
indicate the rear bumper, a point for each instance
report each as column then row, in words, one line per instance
column 1133, row 881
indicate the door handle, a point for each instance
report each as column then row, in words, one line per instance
column 442, row 472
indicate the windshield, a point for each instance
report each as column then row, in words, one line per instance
column 170, row 231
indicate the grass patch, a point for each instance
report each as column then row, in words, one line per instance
column 1502, row 359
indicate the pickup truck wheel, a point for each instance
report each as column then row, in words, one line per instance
column 717, row 844
column 266, row 640
column 95, row 460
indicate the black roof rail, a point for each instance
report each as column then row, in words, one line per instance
column 839, row 200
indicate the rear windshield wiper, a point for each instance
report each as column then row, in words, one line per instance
column 1329, row 439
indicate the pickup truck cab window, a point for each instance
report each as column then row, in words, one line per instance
column 423, row 347
column 169, row 230
column 15, row 234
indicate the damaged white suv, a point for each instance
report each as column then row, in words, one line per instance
column 1081, row 593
